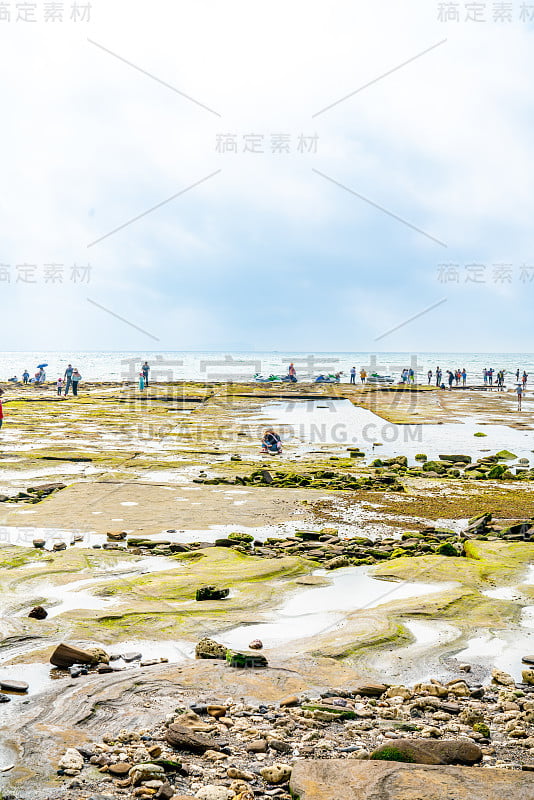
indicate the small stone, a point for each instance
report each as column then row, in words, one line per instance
column 257, row 746
column 129, row 657
column 145, row 772
column 212, row 792
column 71, row 760
column 527, row 675
column 154, row 751
column 465, row 667
column 38, row 613
column 13, row 686
column 256, row 644
column 120, row 769
column 278, row 773
column 239, row 774
column 216, row 711
column 287, row 702
column 501, row 678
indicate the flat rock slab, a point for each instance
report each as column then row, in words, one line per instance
column 388, row 780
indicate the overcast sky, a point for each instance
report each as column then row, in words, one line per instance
column 369, row 211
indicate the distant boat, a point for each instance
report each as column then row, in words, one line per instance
column 380, row 379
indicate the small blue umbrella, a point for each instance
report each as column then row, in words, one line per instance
column 41, row 366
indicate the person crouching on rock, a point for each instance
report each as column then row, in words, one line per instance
column 271, row 443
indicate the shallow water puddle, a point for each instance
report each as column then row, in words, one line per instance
column 314, row 611
column 345, row 424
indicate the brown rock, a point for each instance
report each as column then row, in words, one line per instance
column 216, row 711
column 38, row 613
column 182, row 738
column 65, row 655
column 361, row 780
column 257, row 746
column 370, row 689
column 292, row 700
column 119, row 769
column 429, row 751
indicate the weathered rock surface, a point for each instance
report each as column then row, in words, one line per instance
column 357, row 780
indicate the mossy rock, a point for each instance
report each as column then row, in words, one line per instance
column 480, row 434
column 421, row 457
column 447, row 549
column 482, row 728
column 391, row 753
column 241, row 537
column 505, row 455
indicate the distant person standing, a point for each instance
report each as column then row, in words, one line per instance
column 451, row 377
column 145, row 370
column 353, row 375
column 76, row 378
column 292, row 373
column 525, row 379
column 485, row 373
column 429, row 376
column 517, row 373
column 464, row 376
column 519, row 389
column 59, row 385
column 141, row 381
column 490, row 376
column 363, row 375
column 25, row 376
column 68, row 378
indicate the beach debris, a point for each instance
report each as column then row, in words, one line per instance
column 211, row 593
column 38, row 613
column 209, row 648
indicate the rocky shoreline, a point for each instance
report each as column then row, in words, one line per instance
column 115, row 468
column 223, row 748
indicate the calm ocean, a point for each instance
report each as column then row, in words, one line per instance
column 221, row 366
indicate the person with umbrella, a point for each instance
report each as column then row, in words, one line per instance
column 41, row 375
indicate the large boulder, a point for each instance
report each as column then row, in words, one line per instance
column 429, row 751
column 361, row 780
